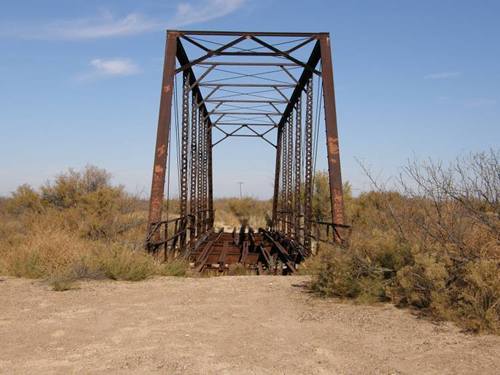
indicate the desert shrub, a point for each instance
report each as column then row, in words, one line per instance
column 480, row 298
column 235, row 212
column 321, row 197
column 25, row 198
column 90, row 203
column 419, row 283
column 106, row 213
column 175, row 267
column 68, row 188
column 433, row 245
column 62, row 281
column 119, row 263
column 44, row 252
column 336, row 275
column 354, row 274
column 77, row 227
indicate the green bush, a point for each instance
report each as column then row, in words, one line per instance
column 337, row 275
column 175, row 267
column 62, row 281
column 118, row 263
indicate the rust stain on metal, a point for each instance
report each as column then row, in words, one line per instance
column 209, row 107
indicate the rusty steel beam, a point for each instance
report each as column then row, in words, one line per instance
column 183, row 193
column 163, row 131
column 216, row 52
column 246, row 101
column 249, row 33
column 332, row 138
column 194, row 42
column 205, row 73
column 248, row 113
column 246, row 84
column 245, row 63
column 300, row 45
column 183, row 60
column 193, row 199
column 303, row 80
column 277, row 168
column 289, row 175
column 269, row 125
column 298, row 170
column 210, row 186
column 250, row 53
column 198, row 128
column 283, row 254
column 281, row 53
column 308, row 155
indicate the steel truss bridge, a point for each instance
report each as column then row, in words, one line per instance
column 245, row 84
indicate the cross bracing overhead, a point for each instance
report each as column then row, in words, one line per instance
column 265, row 85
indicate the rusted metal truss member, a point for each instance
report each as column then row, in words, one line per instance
column 308, row 192
column 289, row 165
column 194, row 199
column 245, row 104
column 298, row 172
column 184, row 152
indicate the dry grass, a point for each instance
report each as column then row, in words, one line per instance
column 78, row 227
column 234, row 212
column 434, row 245
column 238, row 269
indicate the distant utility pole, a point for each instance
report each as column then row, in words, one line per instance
column 241, row 184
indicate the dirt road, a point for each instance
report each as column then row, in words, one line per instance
column 224, row 325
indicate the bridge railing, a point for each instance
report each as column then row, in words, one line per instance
column 318, row 231
column 167, row 235
column 330, row 233
column 178, row 235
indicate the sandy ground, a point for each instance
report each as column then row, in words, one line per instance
column 222, row 325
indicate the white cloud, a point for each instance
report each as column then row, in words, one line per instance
column 114, row 67
column 188, row 13
column 107, row 25
column 105, row 68
column 443, row 75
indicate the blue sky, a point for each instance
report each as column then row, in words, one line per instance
column 80, row 82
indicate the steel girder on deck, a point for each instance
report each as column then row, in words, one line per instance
column 245, row 84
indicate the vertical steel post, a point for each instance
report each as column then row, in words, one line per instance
column 308, row 188
column 289, row 167
column 194, row 170
column 163, row 130
column 277, row 177
column 332, row 138
column 298, row 171
column 199, row 181
column 284, row 179
column 205, row 175
column 184, row 159
column 209, row 177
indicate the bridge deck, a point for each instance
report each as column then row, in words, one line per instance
column 221, row 250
